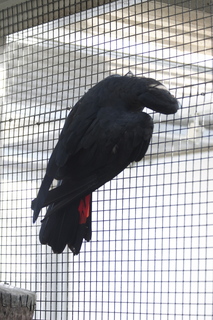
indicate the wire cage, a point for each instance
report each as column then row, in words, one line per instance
column 151, row 253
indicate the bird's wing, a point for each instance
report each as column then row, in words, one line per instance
column 109, row 144
column 77, row 122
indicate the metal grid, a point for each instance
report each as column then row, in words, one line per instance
column 151, row 254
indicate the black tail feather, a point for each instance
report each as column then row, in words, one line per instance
column 62, row 228
column 75, row 247
column 88, row 228
column 59, row 228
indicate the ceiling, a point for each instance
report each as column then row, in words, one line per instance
column 207, row 4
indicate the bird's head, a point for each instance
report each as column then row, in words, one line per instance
column 140, row 92
column 154, row 95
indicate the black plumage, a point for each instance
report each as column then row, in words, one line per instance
column 105, row 131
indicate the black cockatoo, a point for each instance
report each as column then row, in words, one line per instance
column 105, row 131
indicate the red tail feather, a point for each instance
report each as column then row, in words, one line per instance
column 84, row 209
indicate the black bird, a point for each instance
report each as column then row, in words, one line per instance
column 105, row 131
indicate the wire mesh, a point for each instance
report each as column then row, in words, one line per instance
column 151, row 253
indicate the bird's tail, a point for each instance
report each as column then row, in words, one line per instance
column 68, row 225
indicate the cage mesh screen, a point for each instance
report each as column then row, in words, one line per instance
column 151, row 253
